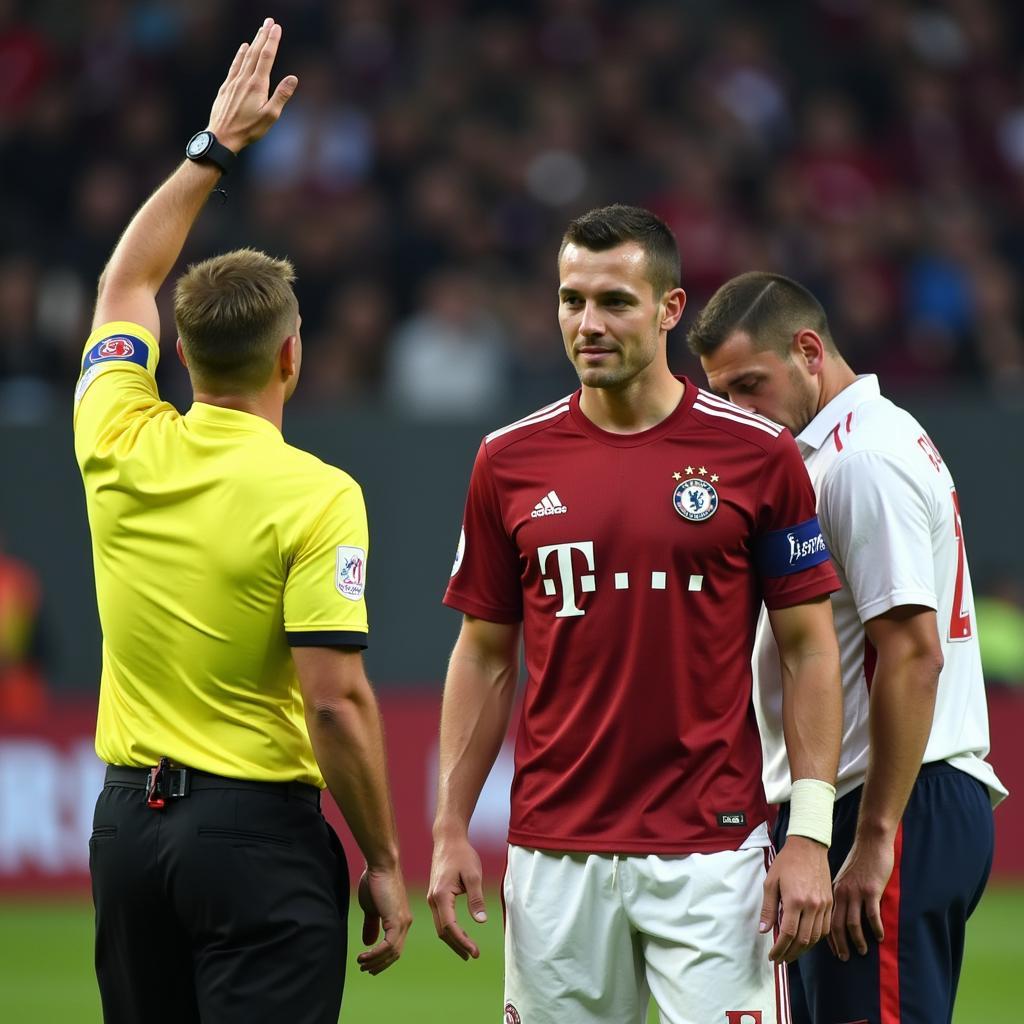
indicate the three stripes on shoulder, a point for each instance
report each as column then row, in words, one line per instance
column 705, row 402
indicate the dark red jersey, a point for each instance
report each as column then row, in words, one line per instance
column 637, row 564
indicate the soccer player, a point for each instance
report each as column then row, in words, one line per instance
column 913, row 822
column 230, row 580
column 628, row 534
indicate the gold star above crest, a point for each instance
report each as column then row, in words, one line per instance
column 714, row 478
column 677, row 476
column 689, row 470
column 702, row 471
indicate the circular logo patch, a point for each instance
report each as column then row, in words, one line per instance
column 512, row 1015
column 459, row 552
column 695, row 499
column 115, row 348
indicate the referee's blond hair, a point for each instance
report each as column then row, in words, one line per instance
column 232, row 313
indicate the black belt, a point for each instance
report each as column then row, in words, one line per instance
column 179, row 782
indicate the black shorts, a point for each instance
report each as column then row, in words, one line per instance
column 229, row 905
column 944, row 854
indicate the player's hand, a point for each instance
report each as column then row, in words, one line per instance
column 798, row 879
column 244, row 110
column 858, row 895
column 455, row 870
column 385, row 905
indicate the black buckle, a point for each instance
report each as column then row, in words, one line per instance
column 166, row 783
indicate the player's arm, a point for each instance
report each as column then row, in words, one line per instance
column 880, row 515
column 347, row 738
column 478, row 695
column 903, row 689
column 812, row 716
column 143, row 257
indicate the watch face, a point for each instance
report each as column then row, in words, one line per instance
column 199, row 144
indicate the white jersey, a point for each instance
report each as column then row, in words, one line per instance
column 889, row 513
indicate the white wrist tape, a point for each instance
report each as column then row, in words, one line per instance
column 810, row 810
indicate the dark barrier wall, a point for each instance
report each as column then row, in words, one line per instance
column 49, row 778
column 414, row 476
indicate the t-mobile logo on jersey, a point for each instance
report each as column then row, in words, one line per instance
column 587, row 584
column 565, row 574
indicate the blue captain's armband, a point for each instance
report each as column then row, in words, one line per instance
column 790, row 550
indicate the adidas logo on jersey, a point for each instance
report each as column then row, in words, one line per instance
column 549, row 505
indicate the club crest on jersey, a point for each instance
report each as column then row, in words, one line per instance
column 350, row 574
column 695, row 499
column 512, row 1015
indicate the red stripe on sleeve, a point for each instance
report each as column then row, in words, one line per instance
column 889, row 950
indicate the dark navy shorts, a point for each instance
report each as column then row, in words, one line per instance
column 943, row 857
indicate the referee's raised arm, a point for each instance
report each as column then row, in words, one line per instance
column 230, row 575
column 243, row 112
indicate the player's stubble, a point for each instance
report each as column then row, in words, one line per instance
column 629, row 361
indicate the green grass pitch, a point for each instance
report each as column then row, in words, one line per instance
column 46, row 969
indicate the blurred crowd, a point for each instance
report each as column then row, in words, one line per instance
column 24, row 652
column 422, row 176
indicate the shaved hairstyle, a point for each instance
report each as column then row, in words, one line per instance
column 611, row 226
column 769, row 307
column 232, row 313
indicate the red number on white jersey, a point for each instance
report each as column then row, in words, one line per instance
column 960, row 616
column 928, row 447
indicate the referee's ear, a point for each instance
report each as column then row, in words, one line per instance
column 180, row 349
column 290, row 358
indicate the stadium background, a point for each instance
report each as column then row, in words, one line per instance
column 420, row 181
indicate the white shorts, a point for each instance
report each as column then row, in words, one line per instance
column 590, row 937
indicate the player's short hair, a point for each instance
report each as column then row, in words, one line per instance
column 232, row 313
column 769, row 307
column 610, row 226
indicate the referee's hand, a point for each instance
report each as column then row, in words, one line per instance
column 245, row 109
column 385, row 905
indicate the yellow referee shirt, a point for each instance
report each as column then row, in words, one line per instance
column 216, row 547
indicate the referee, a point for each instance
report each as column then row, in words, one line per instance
column 230, row 570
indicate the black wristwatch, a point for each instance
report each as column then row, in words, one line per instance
column 203, row 147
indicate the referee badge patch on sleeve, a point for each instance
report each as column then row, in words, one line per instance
column 125, row 348
column 793, row 549
column 118, row 348
column 350, row 572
